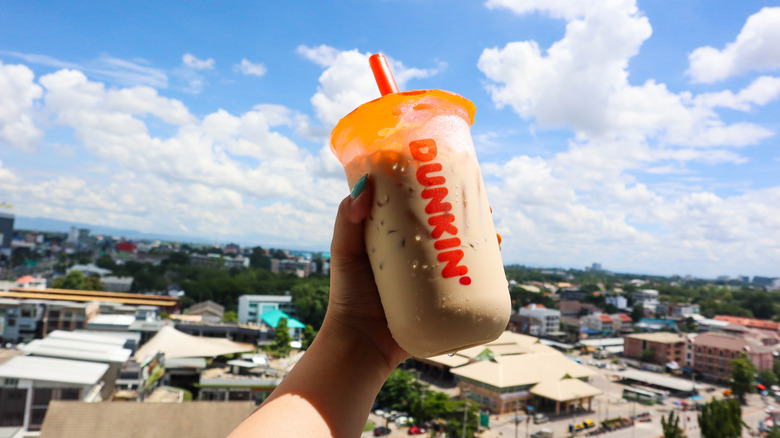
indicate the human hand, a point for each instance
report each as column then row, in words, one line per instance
column 354, row 306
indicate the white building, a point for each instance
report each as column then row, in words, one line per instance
column 252, row 307
column 648, row 298
column 550, row 318
column 618, row 301
column 31, row 382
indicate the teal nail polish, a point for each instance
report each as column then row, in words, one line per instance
column 357, row 189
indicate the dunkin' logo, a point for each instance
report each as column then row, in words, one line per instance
column 425, row 152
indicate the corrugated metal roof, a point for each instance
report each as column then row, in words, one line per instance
column 79, row 349
column 53, row 370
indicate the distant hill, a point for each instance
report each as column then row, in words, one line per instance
column 60, row 226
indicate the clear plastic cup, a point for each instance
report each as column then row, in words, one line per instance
column 430, row 235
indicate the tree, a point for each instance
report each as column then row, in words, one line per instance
column 282, row 338
column 401, row 392
column 671, row 427
column 767, row 377
column 637, row 313
column 308, row 336
column 742, row 371
column 230, row 316
column 106, row 262
column 647, row 355
column 75, row 280
column 721, row 419
column 258, row 259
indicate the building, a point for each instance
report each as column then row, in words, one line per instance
column 117, row 284
column 6, row 233
column 301, row 267
column 208, row 310
column 73, row 419
column 550, row 318
column 656, row 325
column 618, row 301
column 31, row 383
column 623, row 323
column 525, row 324
column 20, row 320
column 713, row 353
column 598, row 323
column 749, row 322
column 666, row 347
column 517, row 371
column 577, row 309
column 252, row 307
column 89, row 270
column 648, row 298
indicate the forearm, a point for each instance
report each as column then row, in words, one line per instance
column 329, row 392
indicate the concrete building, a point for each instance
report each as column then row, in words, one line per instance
column 208, row 310
column 117, row 284
column 648, row 298
column 713, row 353
column 550, row 318
column 667, row 347
column 600, row 323
column 31, row 383
column 252, row 307
column 6, row 233
column 618, row 301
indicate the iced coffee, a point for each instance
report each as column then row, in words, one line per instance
column 430, row 235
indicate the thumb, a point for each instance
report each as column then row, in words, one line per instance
column 348, row 241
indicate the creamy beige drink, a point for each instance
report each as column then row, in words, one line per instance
column 430, row 236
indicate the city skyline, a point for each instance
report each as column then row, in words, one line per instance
column 639, row 135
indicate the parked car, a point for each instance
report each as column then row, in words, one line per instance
column 543, row 433
column 540, row 418
column 381, row 431
column 416, row 430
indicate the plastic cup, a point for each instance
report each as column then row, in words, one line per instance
column 430, row 235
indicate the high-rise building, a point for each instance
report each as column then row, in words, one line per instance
column 6, row 233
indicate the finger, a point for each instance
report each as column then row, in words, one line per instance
column 348, row 230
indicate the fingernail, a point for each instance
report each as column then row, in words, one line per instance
column 357, row 189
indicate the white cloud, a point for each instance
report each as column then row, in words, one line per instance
column 18, row 94
column 755, row 49
column 322, row 55
column 347, row 82
column 249, row 68
column 198, row 64
column 586, row 203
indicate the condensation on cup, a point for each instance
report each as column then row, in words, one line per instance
column 430, row 235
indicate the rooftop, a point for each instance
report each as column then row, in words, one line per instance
column 660, row 337
column 53, row 370
column 749, row 322
column 151, row 420
column 79, row 349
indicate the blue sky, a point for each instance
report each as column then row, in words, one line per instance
column 641, row 135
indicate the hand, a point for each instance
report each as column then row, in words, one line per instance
column 354, row 303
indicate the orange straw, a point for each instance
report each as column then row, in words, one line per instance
column 382, row 74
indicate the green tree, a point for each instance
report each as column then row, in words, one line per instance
column 721, row 419
column 282, row 338
column 671, row 427
column 310, row 299
column 637, row 313
column 647, row 355
column 75, row 280
column 106, row 262
column 401, row 392
column 742, row 372
column 308, row 336
column 767, row 377
column 258, row 259
column 230, row 316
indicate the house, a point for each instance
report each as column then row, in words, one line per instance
column 577, row 309
column 623, row 323
column 749, row 322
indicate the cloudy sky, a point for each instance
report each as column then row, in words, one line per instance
column 641, row 135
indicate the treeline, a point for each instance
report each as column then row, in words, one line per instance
column 223, row 286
